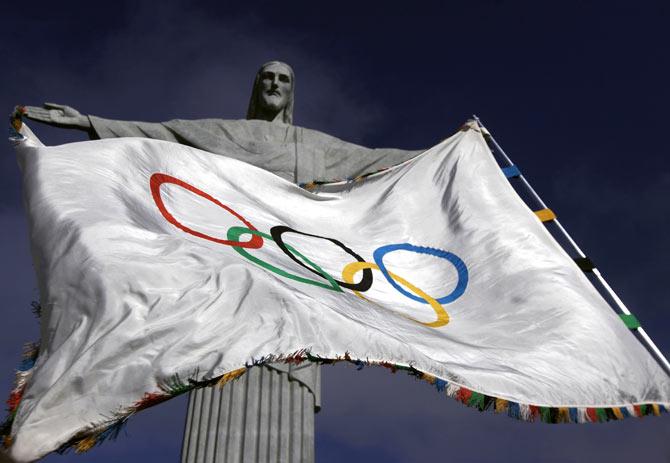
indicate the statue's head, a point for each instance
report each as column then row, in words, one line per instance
column 272, row 95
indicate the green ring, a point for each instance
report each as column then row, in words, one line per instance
column 235, row 232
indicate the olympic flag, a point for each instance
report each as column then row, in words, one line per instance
column 162, row 268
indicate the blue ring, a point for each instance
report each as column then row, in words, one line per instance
column 456, row 261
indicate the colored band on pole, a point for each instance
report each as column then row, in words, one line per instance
column 630, row 320
column 647, row 341
column 585, row 264
column 511, row 171
column 545, row 215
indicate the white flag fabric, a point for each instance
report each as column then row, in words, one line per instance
column 162, row 268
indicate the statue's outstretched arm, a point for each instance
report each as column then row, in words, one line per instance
column 67, row 117
column 58, row 115
column 347, row 160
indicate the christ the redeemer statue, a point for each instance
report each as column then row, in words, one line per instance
column 268, row 414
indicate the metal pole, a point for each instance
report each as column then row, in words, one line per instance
column 650, row 344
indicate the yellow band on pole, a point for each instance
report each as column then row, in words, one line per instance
column 545, row 215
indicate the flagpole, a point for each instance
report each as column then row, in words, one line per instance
column 643, row 334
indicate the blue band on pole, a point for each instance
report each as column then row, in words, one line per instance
column 511, row 171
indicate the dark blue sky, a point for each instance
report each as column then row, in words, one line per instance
column 577, row 93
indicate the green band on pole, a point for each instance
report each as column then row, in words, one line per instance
column 630, row 320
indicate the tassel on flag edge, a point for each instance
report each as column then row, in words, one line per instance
column 110, row 429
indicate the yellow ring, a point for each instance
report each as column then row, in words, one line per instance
column 442, row 316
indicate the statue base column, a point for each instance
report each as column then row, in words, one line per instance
column 266, row 415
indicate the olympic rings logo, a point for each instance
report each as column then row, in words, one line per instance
column 257, row 239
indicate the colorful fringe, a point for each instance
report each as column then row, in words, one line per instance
column 313, row 184
column 16, row 122
column 110, row 429
column 23, row 373
column 512, row 409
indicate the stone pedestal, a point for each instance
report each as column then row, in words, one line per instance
column 267, row 415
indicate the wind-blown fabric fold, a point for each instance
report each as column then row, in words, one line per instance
column 162, row 267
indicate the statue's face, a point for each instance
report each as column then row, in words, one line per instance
column 275, row 87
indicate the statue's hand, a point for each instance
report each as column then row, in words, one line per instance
column 58, row 115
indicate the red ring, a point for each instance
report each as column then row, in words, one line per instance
column 155, row 183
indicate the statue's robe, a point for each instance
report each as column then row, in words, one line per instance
column 294, row 153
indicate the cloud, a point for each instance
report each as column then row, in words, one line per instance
column 173, row 62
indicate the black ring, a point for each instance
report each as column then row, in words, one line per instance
column 366, row 282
